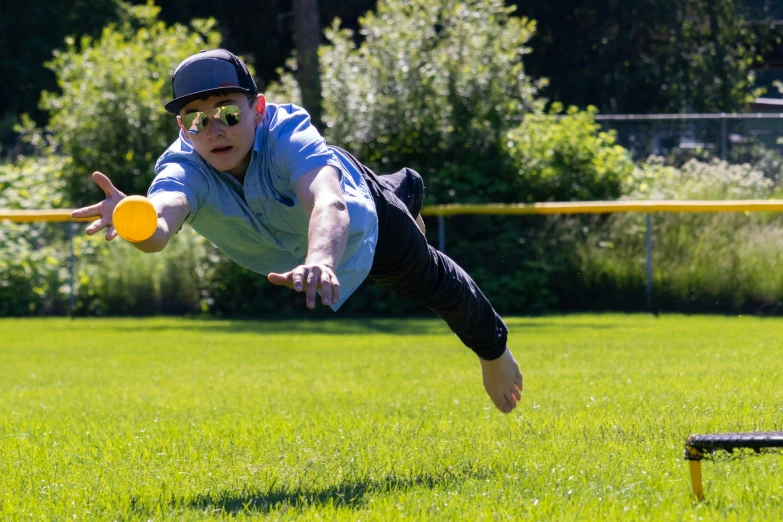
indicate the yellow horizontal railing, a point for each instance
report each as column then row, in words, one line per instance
column 576, row 207
column 605, row 207
column 29, row 216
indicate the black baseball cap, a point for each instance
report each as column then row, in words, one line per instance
column 208, row 73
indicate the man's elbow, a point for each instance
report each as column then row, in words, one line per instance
column 339, row 207
column 331, row 206
column 335, row 204
column 152, row 245
column 150, row 248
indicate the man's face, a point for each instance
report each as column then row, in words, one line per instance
column 225, row 147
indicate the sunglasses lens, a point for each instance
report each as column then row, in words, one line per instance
column 194, row 121
column 228, row 115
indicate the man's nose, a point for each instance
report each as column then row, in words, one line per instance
column 214, row 129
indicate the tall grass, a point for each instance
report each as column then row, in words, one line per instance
column 118, row 279
column 703, row 262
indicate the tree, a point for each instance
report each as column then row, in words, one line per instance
column 648, row 55
column 109, row 112
column 307, row 35
column 29, row 31
column 434, row 85
column 262, row 31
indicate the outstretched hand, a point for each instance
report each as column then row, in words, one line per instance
column 309, row 278
column 103, row 210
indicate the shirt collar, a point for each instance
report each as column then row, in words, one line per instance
column 260, row 141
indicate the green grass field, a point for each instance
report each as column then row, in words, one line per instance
column 171, row 419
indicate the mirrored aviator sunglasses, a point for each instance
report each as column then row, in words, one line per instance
column 228, row 115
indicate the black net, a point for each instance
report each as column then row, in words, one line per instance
column 700, row 446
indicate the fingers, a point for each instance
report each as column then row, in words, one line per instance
column 86, row 212
column 100, row 224
column 281, row 279
column 335, row 287
column 326, row 288
column 297, row 276
column 313, row 276
column 324, row 279
column 309, row 279
column 111, row 233
column 104, row 183
column 102, row 209
column 96, row 226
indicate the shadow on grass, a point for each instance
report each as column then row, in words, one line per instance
column 559, row 325
column 332, row 326
column 416, row 326
column 349, row 494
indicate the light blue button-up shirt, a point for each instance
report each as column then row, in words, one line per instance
column 260, row 224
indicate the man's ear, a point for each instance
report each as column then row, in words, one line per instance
column 184, row 130
column 260, row 108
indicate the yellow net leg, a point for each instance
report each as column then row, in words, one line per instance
column 698, row 490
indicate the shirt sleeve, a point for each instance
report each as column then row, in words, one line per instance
column 183, row 178
column 299, row 147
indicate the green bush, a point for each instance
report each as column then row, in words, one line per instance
column 108, row 117
column 32, row 271
column 109, row 114
column 438, row 86
column 109, row 278
column 433, row 86
column 441, row 87
column 566, row 157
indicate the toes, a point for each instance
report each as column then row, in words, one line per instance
column 502, row 403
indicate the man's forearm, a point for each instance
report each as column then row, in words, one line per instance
column 328, row 233
column 156, row 242
column 172, row 209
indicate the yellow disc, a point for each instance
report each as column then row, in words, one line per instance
column 135, row 219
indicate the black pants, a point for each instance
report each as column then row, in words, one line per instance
column 406, row 265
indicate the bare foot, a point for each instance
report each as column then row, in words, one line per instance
column 503, row 381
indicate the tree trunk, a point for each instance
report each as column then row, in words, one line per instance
column 307, row 36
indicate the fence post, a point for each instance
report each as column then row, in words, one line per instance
column 71, row 268
column 723, row 136
column 648, row 248
column 442, row 234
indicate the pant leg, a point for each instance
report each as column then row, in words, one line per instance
column 406, row 265
column 408, row 186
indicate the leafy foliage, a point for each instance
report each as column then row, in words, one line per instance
column 566, row 158
column 441, row 87
column 109, row 115
column 650, row 56
column 434, row 86
column 29, row 31
column 31, row 267
column 109, row 279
